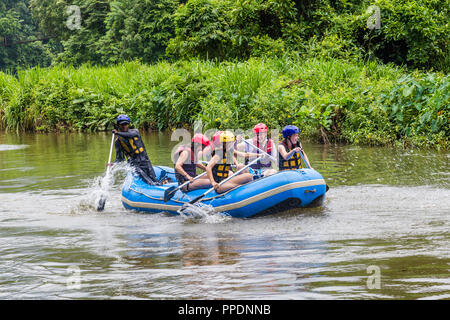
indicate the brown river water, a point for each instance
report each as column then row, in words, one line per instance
column 382, row 233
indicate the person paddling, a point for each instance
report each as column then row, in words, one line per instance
column 205, row 154
column 289, row 150
column 215, row 142
column 262, row 168
column 219, row 167
column 129, row 145
column 187, row 162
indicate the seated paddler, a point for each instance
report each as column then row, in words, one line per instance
column 129, row 145
column 290, row 150
column 187, row 161
column 257, row 146
column 219, row 167
column 215, row 142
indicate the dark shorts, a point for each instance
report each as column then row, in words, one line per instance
column 220, row 179
column 181, row 179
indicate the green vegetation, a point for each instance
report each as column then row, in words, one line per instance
column 412, row 33
column 334, row 100
column 18, row 33
column 230, row 63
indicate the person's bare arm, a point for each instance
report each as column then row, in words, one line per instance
column 201, row 166
column 287, row 155
column 199, row 161
column 235, row 162
column 179, row 165
column 246, row 154
column 240, row 146
column 209, row 173
column 204, row 154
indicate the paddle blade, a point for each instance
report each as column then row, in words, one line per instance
column 101, row 203
column 186, row 205
column 169, row 193
column 183, row 208
column 196, row 199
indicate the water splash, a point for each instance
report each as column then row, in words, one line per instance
column 203, row 213
column 101, row 187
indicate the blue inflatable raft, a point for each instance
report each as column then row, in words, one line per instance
column 282, row 191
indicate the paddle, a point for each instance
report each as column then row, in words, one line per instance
column 206, row 163
column 252, row 145
column 102, row 201
column 273, row 158
column 306, row 163
column 220, row 183
column 170, row 192
column 301, row 155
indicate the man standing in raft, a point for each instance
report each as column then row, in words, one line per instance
column 130, row 145
column 261, row 141
column 187, row 161
column 289, row 149
column 219, row 167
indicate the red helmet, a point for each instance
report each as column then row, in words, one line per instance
column 201, row 138
column 260, row 127
column 216, row 138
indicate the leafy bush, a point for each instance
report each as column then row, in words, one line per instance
column 8, row 86
column 16, row 25
column 331, row 100
column 201, row 29
column 412, row 33
column 421, row 26
column 419, row 105
column 233, row 28
column 333, row 46
column 266, row 47
column 137, row 28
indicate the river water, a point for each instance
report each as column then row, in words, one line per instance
column 382, row 233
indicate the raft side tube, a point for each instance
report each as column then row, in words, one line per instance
column 275, row 193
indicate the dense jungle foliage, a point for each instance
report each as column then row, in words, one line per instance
column 231, row 63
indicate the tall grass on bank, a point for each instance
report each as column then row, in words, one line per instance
column 330, row 99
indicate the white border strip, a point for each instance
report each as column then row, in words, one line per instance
column 268, row 193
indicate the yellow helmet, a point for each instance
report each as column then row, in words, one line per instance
column 227, row 136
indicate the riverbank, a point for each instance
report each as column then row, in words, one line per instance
column 330, row 100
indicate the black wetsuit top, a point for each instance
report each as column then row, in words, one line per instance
column 129, row 145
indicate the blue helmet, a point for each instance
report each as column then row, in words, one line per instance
column 123, row 118
column 290, row 130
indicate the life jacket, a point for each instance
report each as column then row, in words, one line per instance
column 258, row 164
column 295, row 162
column 221, row 169
column 133, row 147
column 190, row 167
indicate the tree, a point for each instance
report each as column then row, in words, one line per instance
column 228, row 29
column 20, row 39
column 138, row 29
column 81, row 45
